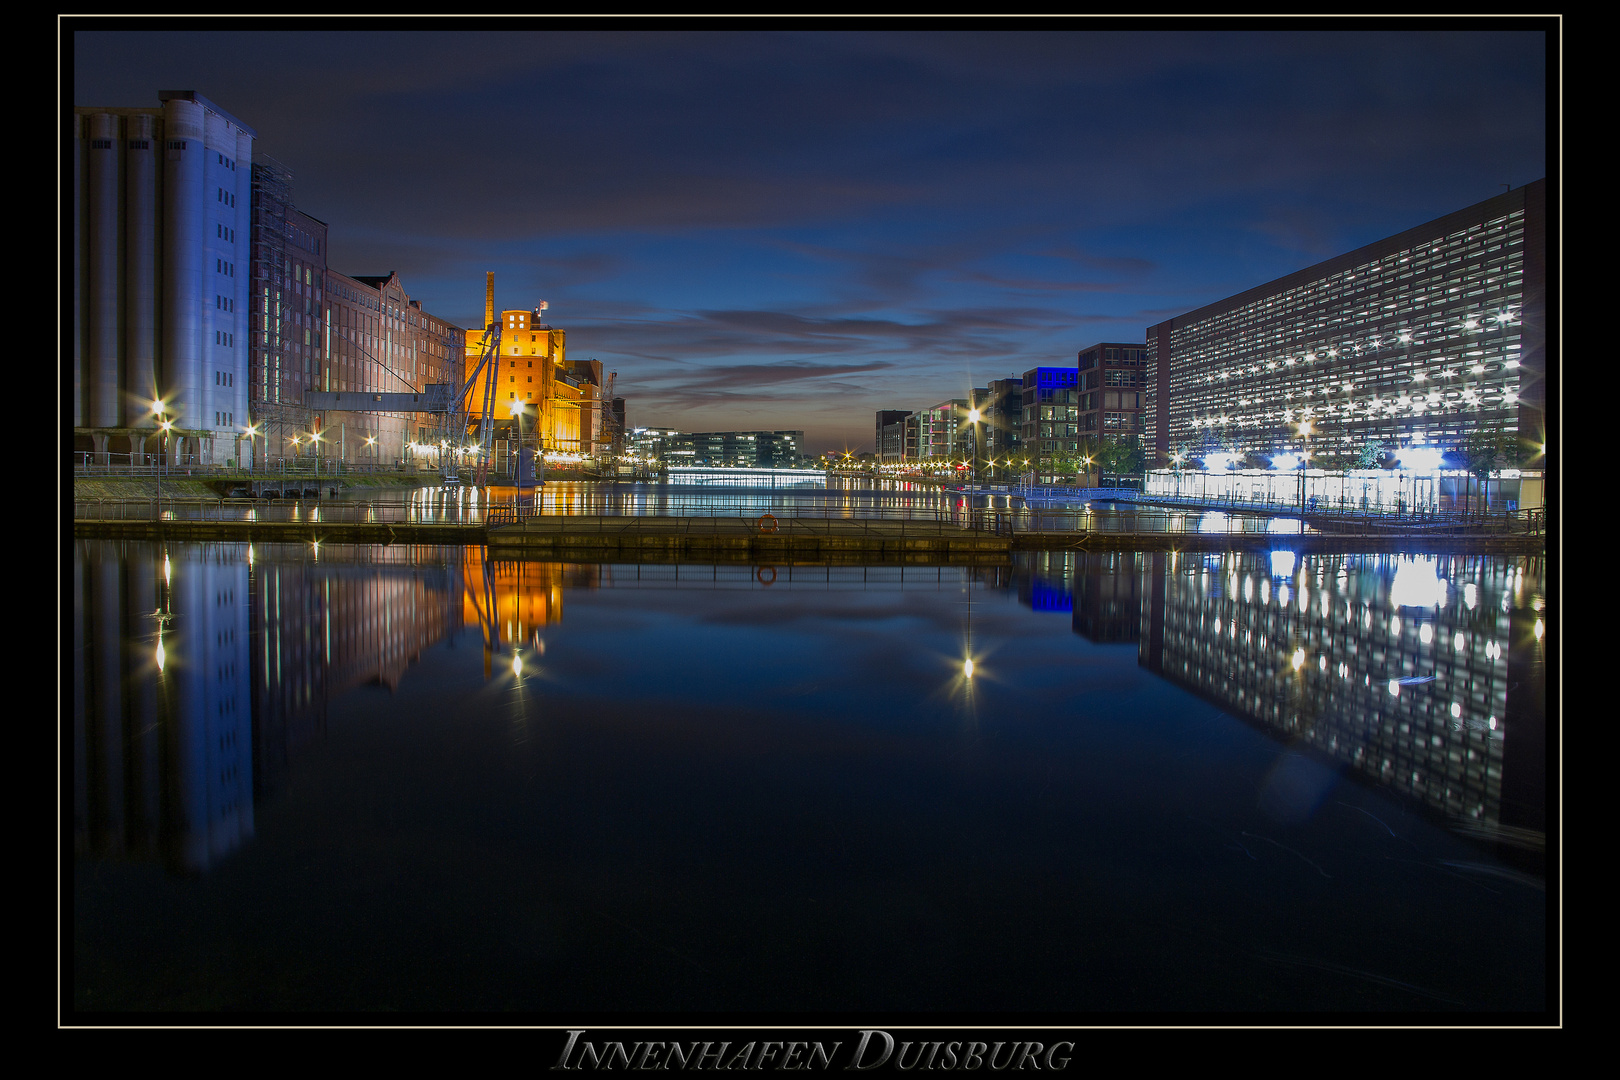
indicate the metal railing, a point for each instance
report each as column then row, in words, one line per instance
column 1205, row 521
column 273, row 511
column 1347, row 507
column 786, row 513
column 455, row 512
column 1000, row 522
column 89, row 464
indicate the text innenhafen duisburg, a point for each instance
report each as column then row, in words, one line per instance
column 874, row 1049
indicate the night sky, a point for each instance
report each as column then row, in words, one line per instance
column 794, row 229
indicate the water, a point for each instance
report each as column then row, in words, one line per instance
column 818, row 497
column 409, row 779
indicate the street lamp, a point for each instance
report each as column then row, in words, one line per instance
column 517, row 410
column 1304, row 460
column 160, row 411
column 973, row 470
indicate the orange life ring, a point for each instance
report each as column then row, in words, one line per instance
column 763, row 580
column 770, row 520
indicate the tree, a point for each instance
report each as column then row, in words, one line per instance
column 1484, row 451
column 1121, row 457
column 1088, row 454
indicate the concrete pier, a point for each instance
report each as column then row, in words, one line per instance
column 821, row 539
column 727, row 539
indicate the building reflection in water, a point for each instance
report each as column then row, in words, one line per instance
column 1424, row 674
column 511, row 600
column 162, row 704
column 202, row 672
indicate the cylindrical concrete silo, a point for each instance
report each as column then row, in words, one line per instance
column 140, row 270
column 180, row 373
column 100, row 358
column 79, row 280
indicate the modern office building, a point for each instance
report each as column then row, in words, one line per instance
column 1001, row 412
column 657, row 444
column 1113, row 377
column 888, row 437
column 1419, row 340
column 1051, row 419
column 160, row 200
column 941, row 429
column 719, row 449
column 745, row 449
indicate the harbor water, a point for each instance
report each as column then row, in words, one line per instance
column 417, row 780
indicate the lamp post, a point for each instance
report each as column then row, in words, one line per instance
column 516, row 409
column 973, row 465
column 1304, row 460
column 160, row 411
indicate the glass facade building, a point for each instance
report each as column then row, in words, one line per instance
column 1418, row 340
column 1050, row 416
column 719, row 449
column 1112, row 375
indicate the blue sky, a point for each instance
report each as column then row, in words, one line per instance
column 795, row 228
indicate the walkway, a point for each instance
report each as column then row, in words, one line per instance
column 800, row 534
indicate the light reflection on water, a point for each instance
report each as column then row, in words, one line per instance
column 892, row 780
column 466, row 503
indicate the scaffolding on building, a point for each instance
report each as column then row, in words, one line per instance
column 278, row 416
column 608, row 435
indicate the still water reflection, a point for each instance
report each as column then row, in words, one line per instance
column 416, row 779
column 823, row 498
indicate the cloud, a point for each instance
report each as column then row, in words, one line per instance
column 850, row 218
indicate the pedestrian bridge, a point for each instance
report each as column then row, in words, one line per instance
column 708, row 476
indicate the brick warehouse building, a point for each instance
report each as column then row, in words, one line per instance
column 1417, row 340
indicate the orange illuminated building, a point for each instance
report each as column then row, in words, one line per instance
column 534, row 371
